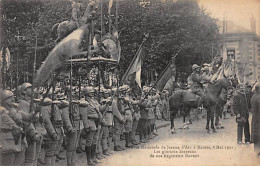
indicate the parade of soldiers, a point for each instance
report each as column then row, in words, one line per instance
column 79, row 108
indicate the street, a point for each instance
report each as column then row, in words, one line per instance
column 187, row 147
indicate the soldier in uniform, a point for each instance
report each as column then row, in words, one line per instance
column 70, row 131
column 32, row 136
column 241, row 109
column 19, row 117
column 143, row 122
column 255, row 125
column 94, row 116
column 119, row 120
column 127, row 110
column 109, row 120
column 196, row 80
column 11, row 149
column 50, row 140
column 135, row 101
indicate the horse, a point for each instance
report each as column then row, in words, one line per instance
column 64, row 28
column 184, row 100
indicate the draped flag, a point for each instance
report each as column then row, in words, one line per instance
column 167, row 77
column 133, row 73
column 7, row 58
column 110, row 6
column 62, row 52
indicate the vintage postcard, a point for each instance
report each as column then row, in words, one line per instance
column 129, row 82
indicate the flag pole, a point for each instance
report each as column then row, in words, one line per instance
column 163, row 72
column 132, row 62
column 117, row 15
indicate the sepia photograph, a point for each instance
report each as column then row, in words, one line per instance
column 129, row 83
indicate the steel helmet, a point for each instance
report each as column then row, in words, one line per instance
column 89, row 89
column 5, row 94
column 195, row 66
column 25, row 86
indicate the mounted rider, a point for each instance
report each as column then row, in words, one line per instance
column 195, row 80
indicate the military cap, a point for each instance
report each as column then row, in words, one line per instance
column 75, row 101
column 89, row 89
column 195, row 66
column 47, row 101
column 5, row 94
column 96, row 89
column 105, row 90
column 56, row 102
column 121, row 88
column 83, row 103
column 64, row 103
column 25, row 86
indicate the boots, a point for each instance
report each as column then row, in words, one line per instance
column 47, row 161
column 88, row 154
column 132, row 138
column 69, row 156
column 127, row 141
column 106, row 152
column 93, row 154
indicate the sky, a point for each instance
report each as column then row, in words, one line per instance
column 238, row 11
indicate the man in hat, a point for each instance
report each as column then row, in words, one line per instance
column 195, row 77
column 119, row 119
column 107, row 138
column 51, row 137
column 241, row 109
column 10, row 149
column 32, row 135
column 70, row 131
column 19, row 117
column 94, row 116
column 255, row 125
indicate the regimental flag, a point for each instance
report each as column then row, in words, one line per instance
column 133, row 73
column 62, row 52
column 165, row 81
column 7, row 58
column 110, row 6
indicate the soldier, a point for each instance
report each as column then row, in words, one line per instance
column 196, row 80
column 19, row 117
column 58, row 124
column 135, row 101
column 94, row 116
column 9, row 130
column 241, row 109
column 143, row 122
column 255, row 125
column 127, row 110
column 153, row 99
column 38, row 124
column 119, row 120
column 32, row 136
column 50, row 140
column 103, row 132
column 70, row 131
column 109, row 120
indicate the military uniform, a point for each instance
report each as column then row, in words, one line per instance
column 10, row 151
column 19, row 117
column 70, row 131
column 136, row 117
column 50, row 140
column 30, row 153
column 119, row 120
column 94, row 117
